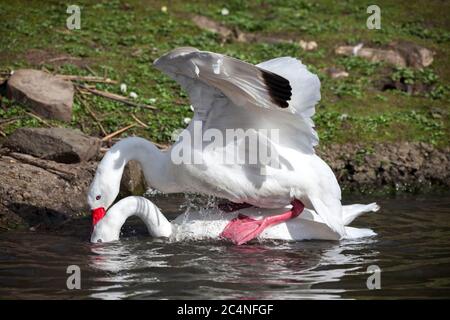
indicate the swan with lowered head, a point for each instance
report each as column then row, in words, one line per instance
column 209, row 224
column 278, row 95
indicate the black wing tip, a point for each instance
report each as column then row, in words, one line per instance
column 279, row 88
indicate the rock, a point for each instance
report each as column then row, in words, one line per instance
column 9, row 220
column 308, row 45
column 208, row 24
column 399, row 53
column 58, row 144
column 33, row 196
column 336, row 73
column 379, row 55
column 373, row 55
column 415, row 56
column 133, row 180
column 45, row 94
column 235, row 35
column 39, row 197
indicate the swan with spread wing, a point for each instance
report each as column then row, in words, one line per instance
column 226, row 93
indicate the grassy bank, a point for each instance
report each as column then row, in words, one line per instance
column 120, row 39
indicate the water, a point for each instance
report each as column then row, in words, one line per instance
column 412, row 249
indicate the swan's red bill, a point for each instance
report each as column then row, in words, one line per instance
column 97, row 215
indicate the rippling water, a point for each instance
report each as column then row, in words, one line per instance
column 412, row 249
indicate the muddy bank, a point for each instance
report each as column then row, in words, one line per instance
column 46, row 195
column 408, row 167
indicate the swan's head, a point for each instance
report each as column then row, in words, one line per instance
column 106, row 185
column 105, row 231
column 107, row 228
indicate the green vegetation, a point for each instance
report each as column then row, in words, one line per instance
column 120, row 39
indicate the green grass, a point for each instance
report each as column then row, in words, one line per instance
column 120, row 39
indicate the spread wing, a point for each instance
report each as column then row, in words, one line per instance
column 229, row 93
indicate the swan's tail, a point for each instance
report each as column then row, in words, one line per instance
column 331, row 211
column 353, row 211
column 356, row 233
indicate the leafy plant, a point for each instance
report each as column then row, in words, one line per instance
column 359, row 64
column 405, row 75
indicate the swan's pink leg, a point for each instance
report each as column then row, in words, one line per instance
column 243, row 228
column 232, row 206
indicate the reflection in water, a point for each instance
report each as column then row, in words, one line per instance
column 289, row 269
column 412, row 250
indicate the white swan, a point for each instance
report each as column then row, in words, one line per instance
column 277, row 96
column 211, row 223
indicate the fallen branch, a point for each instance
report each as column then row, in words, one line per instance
column 115, row 133
column 8, row 121
column 46, row 165
column 115, row 97
column 61, row 58
column 86, row 78
column 139, row 121
column 160, row 145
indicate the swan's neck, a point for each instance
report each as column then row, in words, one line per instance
column 156, row 165
column 109, row 227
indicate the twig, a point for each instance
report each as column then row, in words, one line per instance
column 92, row 114
column 90, row 70
column 115, row 133
column 66, row 175
column 160, row 145
column 115, row 97
column 38, row 119
column 61, row 58
column 2, row 134
column 86, row 78
column 7, row 121
column 139, row 121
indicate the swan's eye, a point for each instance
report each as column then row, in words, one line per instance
column 98, row 197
